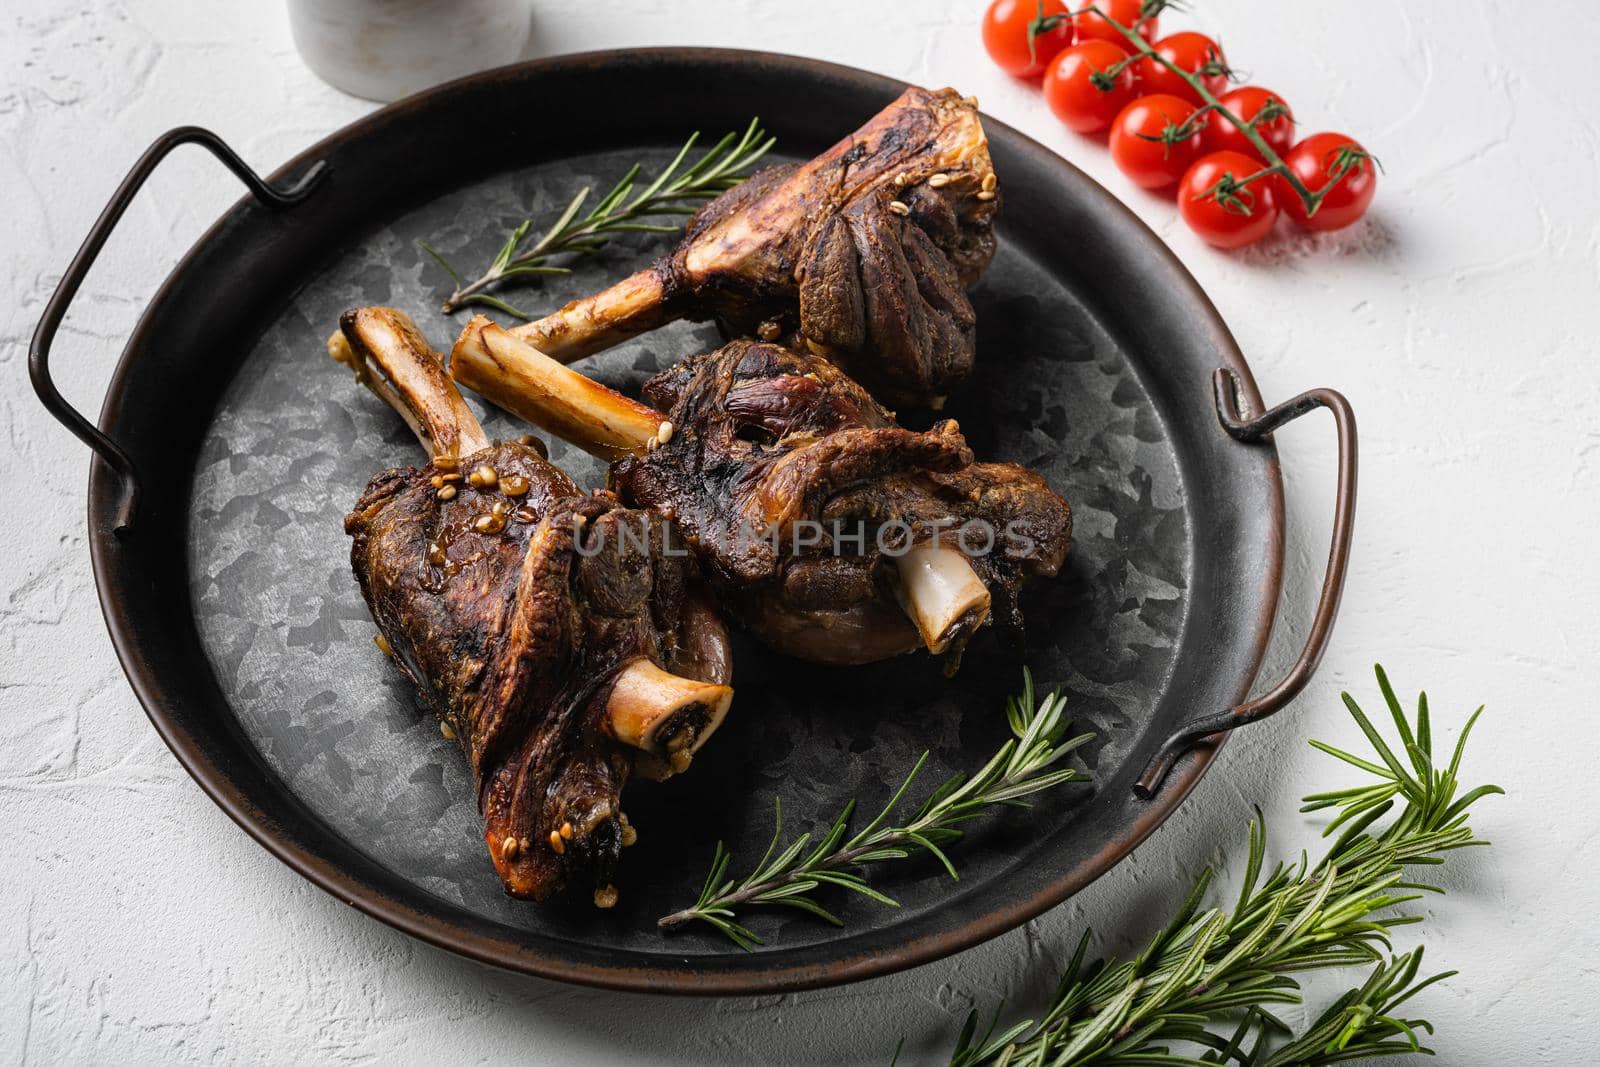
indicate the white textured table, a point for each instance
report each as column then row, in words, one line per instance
column 142, row 926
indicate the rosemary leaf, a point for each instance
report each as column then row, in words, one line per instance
column 1021, row 767
column 439, row 259
column 512, row 272
column 496, row 303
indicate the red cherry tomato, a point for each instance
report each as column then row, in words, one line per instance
column 1318, row 161
column 1247, row 103
column 1220, row 214
column 1082, row 90
column 1094, row 27
column 1138, row 145
column 1005, row 35
column 1195, row 53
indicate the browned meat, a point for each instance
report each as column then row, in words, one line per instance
column 862, row 255
column 548, row 629
column 799, row 493
column 768, row 442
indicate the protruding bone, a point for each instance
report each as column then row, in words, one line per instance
column 635, row 305
column 410, row 378
column 665, row 716
column 942, row 593
column 526, row 382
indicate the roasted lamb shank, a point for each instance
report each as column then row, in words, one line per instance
column 862, row 255
column 561, row 653
column 832, row 532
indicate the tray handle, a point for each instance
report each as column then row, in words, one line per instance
column 56, row 309
column 1248, row 431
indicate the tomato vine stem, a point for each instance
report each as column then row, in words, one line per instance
column 1274, row 162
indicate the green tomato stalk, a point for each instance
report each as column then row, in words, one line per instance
column 1229, row 191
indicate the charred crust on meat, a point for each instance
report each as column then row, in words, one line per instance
column 501, row 640
column 863, row 255
column 514, row 608
column 766, row 437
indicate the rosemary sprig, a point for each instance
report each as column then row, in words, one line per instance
column 672, row 192
column 789, row 877
column 1213, row 968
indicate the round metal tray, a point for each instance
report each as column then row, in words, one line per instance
column 230, row 448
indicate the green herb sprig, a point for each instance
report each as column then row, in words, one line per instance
column 672, row 192
column 1207, row 981
column 790, row 877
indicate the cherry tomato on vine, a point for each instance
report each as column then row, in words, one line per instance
column 1248, row 102
column 1319, row 161
column 1005, row 35
column 1195, row 53
column 1094, row 27
column 1151, row 142
column 1221, row 213
column 1082, row 90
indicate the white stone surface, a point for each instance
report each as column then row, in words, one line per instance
column 141, row 926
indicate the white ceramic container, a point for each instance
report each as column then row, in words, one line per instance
column 386, row 49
